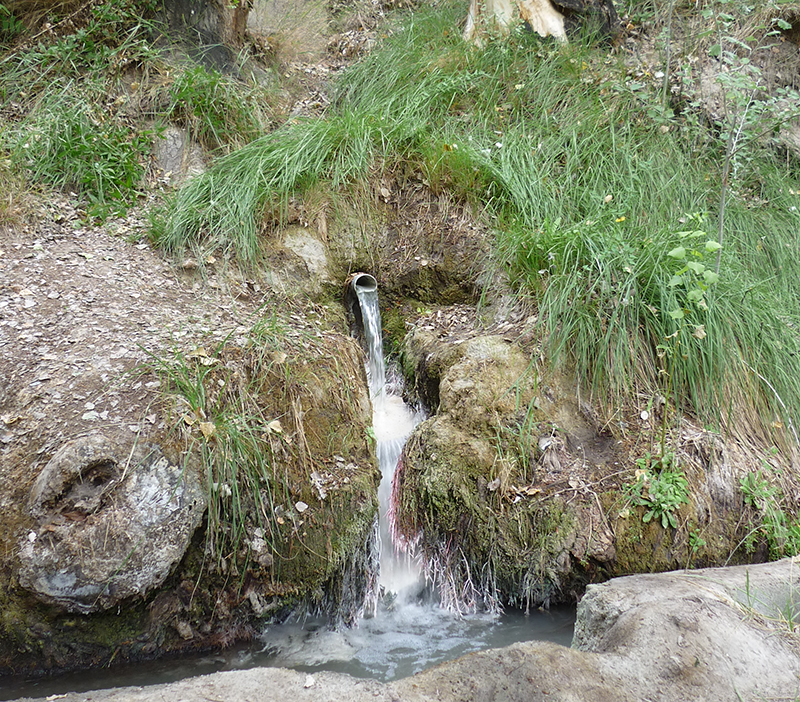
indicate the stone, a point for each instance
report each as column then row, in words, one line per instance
column 111, row 522
column 177, row 156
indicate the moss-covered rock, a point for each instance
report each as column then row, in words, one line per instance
column 516, row 494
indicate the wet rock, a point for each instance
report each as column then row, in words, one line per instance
column 515, row 488
column 111, row 522
column 469, row 489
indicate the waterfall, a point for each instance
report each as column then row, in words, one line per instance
column 393, row 421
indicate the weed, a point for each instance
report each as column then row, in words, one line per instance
column 68, row 144
column 660, row 488
column 216, row 109
column 781, row 531
column 10, row 25
column 696, row 543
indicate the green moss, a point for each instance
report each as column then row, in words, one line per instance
column 471, row 531
column 394, row 326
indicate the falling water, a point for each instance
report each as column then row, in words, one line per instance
column 366, row 289
column 393, row 421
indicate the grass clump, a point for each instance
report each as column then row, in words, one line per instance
column 226, row 424
column 68, row 144
column 218, row 111
column 66, row 125
column 79, row 81
column 218, row 209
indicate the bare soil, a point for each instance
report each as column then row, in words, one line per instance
column 81, row 309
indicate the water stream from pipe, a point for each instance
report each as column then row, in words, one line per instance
column 392, row 421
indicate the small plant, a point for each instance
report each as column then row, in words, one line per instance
column 696, row 542
column 10, row 25
column 781, row 532
column 659, row 487
column 690, row 283
column 216, row 109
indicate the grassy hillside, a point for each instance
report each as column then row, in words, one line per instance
column 658, row 237
column 606, row 193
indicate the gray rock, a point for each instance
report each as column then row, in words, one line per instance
column 177, row 156
column 112, row 521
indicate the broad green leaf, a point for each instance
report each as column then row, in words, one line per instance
column 710, row 277
column 675, row 280
column 676, row 314
column 696, row 267
column 695, row 295
column 712, row 246
column 678, row 253
column 715, row 50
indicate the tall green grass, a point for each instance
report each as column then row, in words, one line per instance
column 68, row 143
column 590, row 181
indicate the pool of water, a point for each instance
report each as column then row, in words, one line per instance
column 392, row 645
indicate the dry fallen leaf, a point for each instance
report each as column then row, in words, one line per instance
column 494, row 484
column 208, row 429
column 274, row 427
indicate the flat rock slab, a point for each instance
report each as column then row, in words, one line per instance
column 714, row 635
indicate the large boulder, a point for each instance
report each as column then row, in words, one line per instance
column 111, row 522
